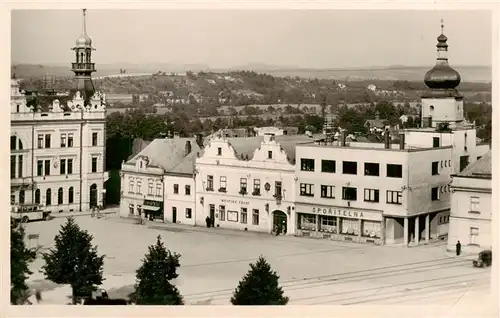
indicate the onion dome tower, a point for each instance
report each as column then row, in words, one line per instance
column 442, row 76
column 83, row 66
column 442, row 104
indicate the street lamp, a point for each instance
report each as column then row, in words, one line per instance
column 103, row 198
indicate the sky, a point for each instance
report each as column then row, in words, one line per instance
column 229, row 38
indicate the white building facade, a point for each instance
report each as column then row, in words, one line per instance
column 248, row 183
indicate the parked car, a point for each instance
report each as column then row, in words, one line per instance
column 483, row 259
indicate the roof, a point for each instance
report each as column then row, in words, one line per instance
column 480, row 168
column 137, row 146
column 246, row 146
column 169, row 154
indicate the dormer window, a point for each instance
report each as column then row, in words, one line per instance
column 219, row 151
column 269, row 154
column 140, row 164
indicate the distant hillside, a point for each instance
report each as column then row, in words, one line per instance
column 473, row 74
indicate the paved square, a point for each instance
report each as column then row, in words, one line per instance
column 311, row 271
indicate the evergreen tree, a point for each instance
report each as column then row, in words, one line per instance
column 74, row 261
column 153, row 285
column 20, row 257
column 259, row 287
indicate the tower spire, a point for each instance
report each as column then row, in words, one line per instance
column 442, row 26
column 85, row 22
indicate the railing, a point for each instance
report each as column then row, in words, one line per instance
column 83, row 66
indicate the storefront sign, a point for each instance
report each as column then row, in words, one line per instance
column 241, row 202
column 341, row 212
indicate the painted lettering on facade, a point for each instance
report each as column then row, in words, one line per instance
column 241, row 202
column 337, row 212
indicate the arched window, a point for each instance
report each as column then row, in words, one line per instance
column 60, row 194
column 21, row 197
column 37, row 196
column 48, row 197
column 70, row 195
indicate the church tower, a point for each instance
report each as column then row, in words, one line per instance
column 442, row 104
column 83, row 66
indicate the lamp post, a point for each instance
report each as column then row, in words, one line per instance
column 103, row 198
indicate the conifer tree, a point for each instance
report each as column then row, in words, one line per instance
column 259, row 287
column 20, row 257
column 74, row 261
column 153, row 286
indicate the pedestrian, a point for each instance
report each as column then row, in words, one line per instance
column 458, row 248
column 38, row 295
column 212, row 221
column 207, row 220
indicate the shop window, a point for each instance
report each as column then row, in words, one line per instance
column 307, row 222
column 435, row 168
column 349, row 167
column 394, row 171
column 328, row 224
column 328, row 166
column 371, row 229
column 372, row 169
column 435, row 194
column 307, row 164
column 232, row 216
column 394, row 197
column 349, row 193
column 350, row 226
column 306, row 190
column 328, row 191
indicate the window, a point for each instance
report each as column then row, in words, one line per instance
column 255, row 217
column 435, row 168
column 435, row 142
column 47, row 141
column 243, row 215
column 60, row 194
column 62, row 166
column 435, row 194
column 219, row 151
column 176, row 189
column 22, row 195
column 306, row 189
column 328, row 220
column 349, row 167
column 269, row 154
column 243, row 184
column 71, row 194
column 70, row 166
column 39, row 168
column 139, row 184
column 256, row 186
column 48, row 197
column 130, row 209
column 20, row 167
column 210, row 183
column 350, row 226
column 40, row 141
column 223, row 183
column 307, row 164
column 394, row 171
column 94, row 139
column 37, row 196
column 371, row 195
column 150, row 187
column 349, row 193
column 464, row 162
column 307, row 222
column 328, row 191
column 94, row 164
column 277, row 188
column 372, row 169
column 63, row 141
column 188, row 213
column 474, row 204
column 158, row 189
column 131, row 185
column 12, row 167
column 187, row 189
column 13, row 140
column 394, row 197
column 222, row 212
column 47, row 167
column 70, row 140
column 474, row 231
column 328, row 166
column 371, row 228
column 232, row 216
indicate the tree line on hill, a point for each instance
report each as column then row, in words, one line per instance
column 75, row 261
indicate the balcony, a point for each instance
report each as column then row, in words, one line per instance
column 83, row 67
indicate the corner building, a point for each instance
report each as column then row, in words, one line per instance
column 58, row 148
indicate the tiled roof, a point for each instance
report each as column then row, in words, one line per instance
column 169, row 154
column 247, row 146
column 480, row 168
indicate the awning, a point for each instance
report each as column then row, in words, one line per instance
column 150, row 207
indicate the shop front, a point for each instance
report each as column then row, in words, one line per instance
column 340, row 223
column 152, row 209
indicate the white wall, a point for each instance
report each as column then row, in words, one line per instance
column 445, row 109
column 181, row 201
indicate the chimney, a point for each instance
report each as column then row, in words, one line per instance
column 387, row 139
column 401, row 141
column 188, row 147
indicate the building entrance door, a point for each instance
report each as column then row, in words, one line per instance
column 279, row 222
column 174, row 215
column 93, row 195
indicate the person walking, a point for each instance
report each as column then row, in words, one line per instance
column 207, row 220
column 458, row 248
